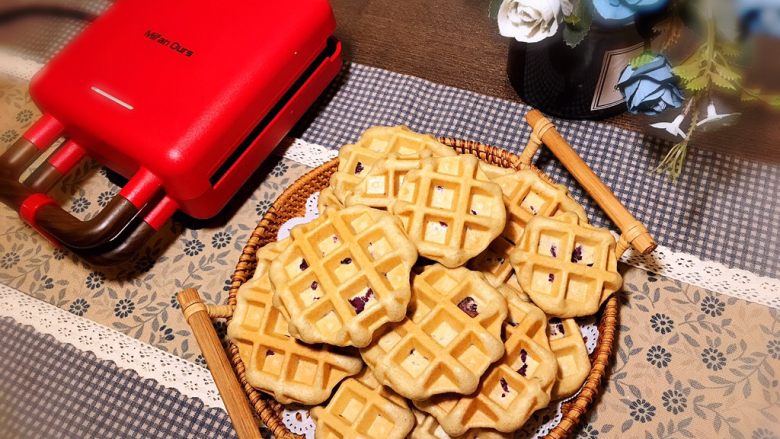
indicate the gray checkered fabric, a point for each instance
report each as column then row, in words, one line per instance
column 53, row 390
column 723, row 208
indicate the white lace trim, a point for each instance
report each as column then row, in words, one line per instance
column 301, row 151
column 709, row 275
column 110, row 345
column 17, row 66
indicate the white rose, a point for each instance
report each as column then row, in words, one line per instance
column 529, row 21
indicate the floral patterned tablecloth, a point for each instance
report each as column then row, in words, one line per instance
column 690, row 362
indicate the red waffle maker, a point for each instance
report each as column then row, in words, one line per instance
column 183, row 99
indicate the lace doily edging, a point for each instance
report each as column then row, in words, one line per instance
column 126, row 352
column 710, row 275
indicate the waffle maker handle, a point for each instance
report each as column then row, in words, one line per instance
column 90, row 238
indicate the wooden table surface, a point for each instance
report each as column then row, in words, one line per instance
column 454, row 42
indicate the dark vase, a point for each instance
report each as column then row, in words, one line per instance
column 579, row 82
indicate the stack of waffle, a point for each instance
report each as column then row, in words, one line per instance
column 436, row 293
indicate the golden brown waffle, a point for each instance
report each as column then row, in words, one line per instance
column 451, row 335
column 426, row 427
column 513, row 388
column 450, row 209
column 567, row 269
column 344, row 275
column 327, row 200
column 275, row 362
column 375, row 144
column 572, row 355
column 362, row 408
column 380, row 186
column 526, row 195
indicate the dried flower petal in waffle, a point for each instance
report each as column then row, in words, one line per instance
column 526, row 195
column 426, row 427
column 451, row 335
column 275, row 362
column 572, row 356
column 344, row 275
column 450, row 209
column 362, row 408
column 375, row 144
column 567, row 269
column 513, row 388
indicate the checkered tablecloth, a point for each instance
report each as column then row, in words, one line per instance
column 49, row 389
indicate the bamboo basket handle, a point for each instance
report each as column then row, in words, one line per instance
column 237, row 406
column 633, row 232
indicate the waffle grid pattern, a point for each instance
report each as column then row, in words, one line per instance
column 347, row 254
column 439, row 347
column 362, row 408
column 547, row 271
column 513, row 388
column 291, row 371
column 450, row 209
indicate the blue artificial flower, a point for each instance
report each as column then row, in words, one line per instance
column 650, row 88
column 625, row 10
column 760, row 16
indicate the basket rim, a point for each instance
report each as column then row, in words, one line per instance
column 269, row 410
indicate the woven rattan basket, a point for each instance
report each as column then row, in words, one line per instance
column 291, row 203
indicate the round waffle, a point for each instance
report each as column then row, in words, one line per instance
column 375, row 144
column 451, row 335
column 568, row 269
column 275, row 362
column 426, row 427
column 526, row 195
column 450, row 209
column 513, row 388
column 363, row 408
column 573, row 363
column 344, row 275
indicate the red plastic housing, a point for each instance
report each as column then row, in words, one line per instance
column 192, row 95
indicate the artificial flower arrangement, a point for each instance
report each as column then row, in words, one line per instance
column 649, row 83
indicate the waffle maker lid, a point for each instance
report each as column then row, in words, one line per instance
column 183, row 99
